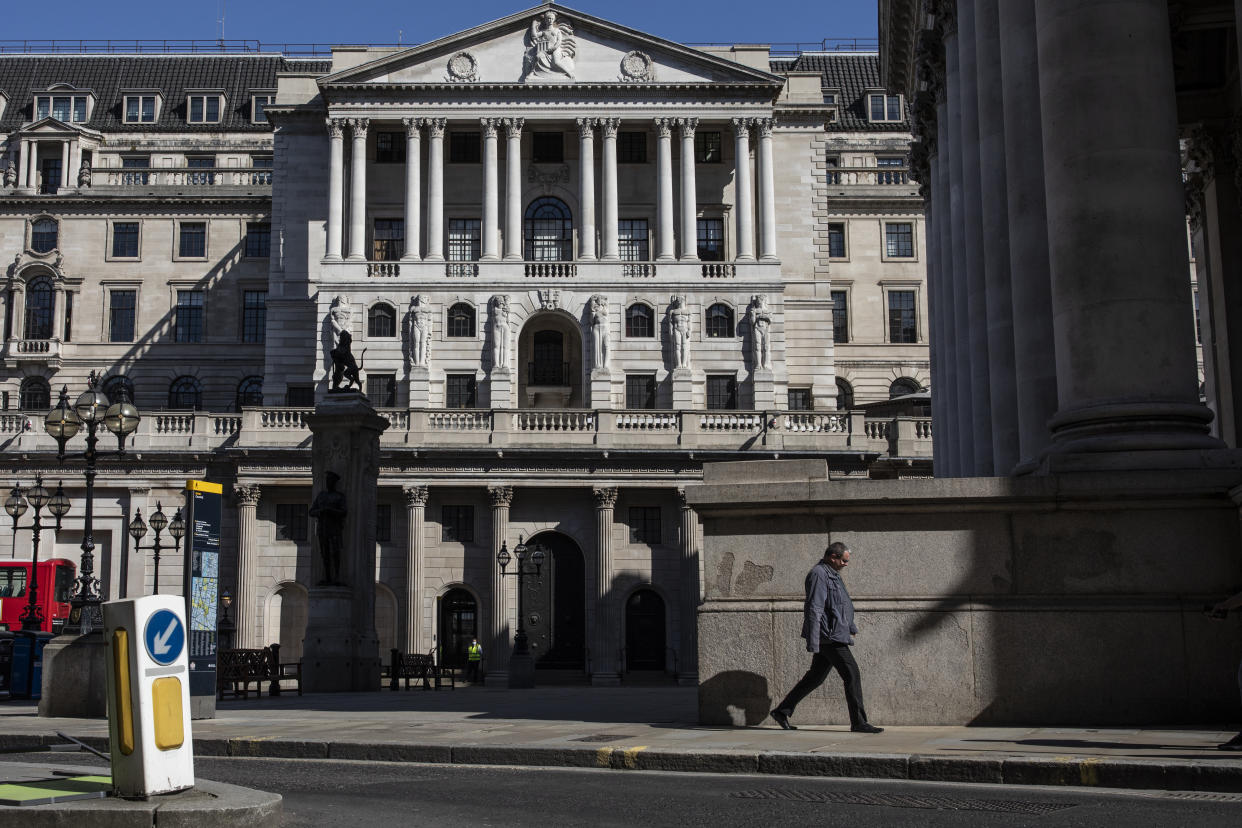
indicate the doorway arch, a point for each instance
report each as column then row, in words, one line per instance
column 458, row 624
column 550, row 362
column 554, row 604
column 644, row 631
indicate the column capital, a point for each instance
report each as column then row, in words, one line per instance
column 664, row 127
column 246, row 494
column 435, row 126
column 609, row 126
column 687, row 126
column 335, row 126
column 358, row 126
column 489, row 126
column 586, row 127
column 605, row 496
column 681, row 498
column 500, row 495
column 413, row 127
column 514, row 126
column 416, row 495
column 741, row 126
column 764, row 126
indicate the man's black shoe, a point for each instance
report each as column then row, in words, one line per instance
column 866, row 727
column 782, row 719
column 1233, row 744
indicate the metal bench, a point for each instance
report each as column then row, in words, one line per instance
column 419, row 667
column 237, row 669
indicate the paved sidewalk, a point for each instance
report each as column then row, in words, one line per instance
column 652, row 728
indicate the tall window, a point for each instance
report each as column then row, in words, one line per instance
column 836, row 240
column 719, row 321
column 711, row 239
column 549, row 231
column 382, row 390
column 464, row 240
column 68, row 334
column 460, row 391
column 203, row 162
column 192, row 242
column 50, row 175
column 639, row 320
column 721, row 392
column 799, row 399
column 119, row 389
column 640, row 390
column 121, row 310
column 36, row 394
column 707, row 147
column 899, row 240
column 645, row 524
column 254, row 315
column 389, row 148
column 381, row 320
column 840, row 316
column 250, row 392
column 903, row 386
column 457, row 523
column 465, row 147
column 548, row 147
column 185, row 393
column 291, row 522
column 902, row 324
column 884, row 108
column 631, row 148
column 125, row 240
column 44, row 235
column 845, row 395
column 258, row 239
column 390, row 240
column 632, row 240
column 461, row 320
column 40, row 301
column 203, row 109
column 139, row 109
column 188, row 323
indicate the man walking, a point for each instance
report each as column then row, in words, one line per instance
column 828, row 627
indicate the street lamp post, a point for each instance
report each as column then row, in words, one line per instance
column 138, row 529
column 16, row 504
column 226, row 623
column 91, row 409
column 521, row 666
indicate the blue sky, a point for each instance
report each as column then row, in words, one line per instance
column 380, row 21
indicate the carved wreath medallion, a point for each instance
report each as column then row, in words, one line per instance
column 637, row 66
column 463, row 67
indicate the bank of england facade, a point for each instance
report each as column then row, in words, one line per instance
column 576, row 261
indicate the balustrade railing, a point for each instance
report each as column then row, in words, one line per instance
column 383, row 269
column 461, row 420
column 554, row 420
column 551, row 270
column 719, row 270
column 869, row 176
column 34, row 346
column 181, row 177
column 457, row 270
column 638, row 270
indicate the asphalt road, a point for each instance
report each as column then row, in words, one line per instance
column 330, row 793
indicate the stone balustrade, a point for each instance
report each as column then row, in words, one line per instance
column 596, row 271
column 871, row 177
column 181, row 177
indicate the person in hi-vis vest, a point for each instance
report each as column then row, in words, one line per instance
column 474, row 655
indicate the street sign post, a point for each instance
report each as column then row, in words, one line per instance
column 202, row 592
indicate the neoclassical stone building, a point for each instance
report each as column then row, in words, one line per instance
column 576, row 262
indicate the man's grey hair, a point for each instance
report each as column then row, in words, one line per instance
column 836, row 550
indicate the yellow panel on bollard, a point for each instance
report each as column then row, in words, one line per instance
column 149, row 696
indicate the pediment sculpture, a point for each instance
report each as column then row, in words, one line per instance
column 550, row 48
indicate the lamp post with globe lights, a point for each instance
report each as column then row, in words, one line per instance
column 521, row 667
column 138, row 529
column 36, row 497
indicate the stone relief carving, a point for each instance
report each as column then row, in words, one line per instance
column 500, row 495
column 679, row 325
column 84, row 174
column 10, row 174
column 463, row 68
column 499, row 306
column 605, row 497
column 550, row 298
column 246, row 494
column 760, row 318
column 548, row 177
column 637, row 67
column 420, row 331
column 599, row 332
column 550, row 49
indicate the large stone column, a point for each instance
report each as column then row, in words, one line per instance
column 745, row 205
column 688, row 656
column 767, row 191
column 666, row 250
column 689, row 203
column 609, row 127
column 336, row 186
column 358, row 189
column 413, row 188
column 586, row 190
column 435, row 189
column 33, row 169
column 513, row 189
column 247, row 497
column 1126, row 373
column 341, row 650
column 415, row 507
column 496, row 650
column 491, row 190
column 606, row 639
column 68, row 176
column 23, row 175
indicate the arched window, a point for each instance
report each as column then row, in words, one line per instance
column 549, row 231
column 119, row 389
column 902, row 386
column 185, row 393
column 40, row 300
column 461, row 320
column 36, row 394
column 639, row 320
column 719, row 321
column 381, row 320
column 43, row 235
column 845, row 395
column 250, row 392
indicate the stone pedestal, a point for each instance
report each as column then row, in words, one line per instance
column 420, row 387
column 683, row 389
column 601, row 388
column 341, row 649
column 500, row 388
column 75, row 677
column 763, row 387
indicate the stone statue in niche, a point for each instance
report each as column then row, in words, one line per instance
column 679, row 324
column 500, row 331
column 551, row 48
column 84, row 173
column 420, row 331
column 599, row 331
column 10, row 174
column 760, row 318
column 329, row 511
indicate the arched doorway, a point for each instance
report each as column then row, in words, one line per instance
column 550, row 355
column 644, row 631
column 555, row 605
column 459, row 623
column 286, row 624
column 385, row 620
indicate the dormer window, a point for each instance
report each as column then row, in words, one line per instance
column 832, row 99
column 204, row 108
column 258, row 105
column 883, row 108
column 70, row 109
column 142, row 109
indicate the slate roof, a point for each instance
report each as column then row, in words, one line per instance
column 853, row 73
column 108, row 75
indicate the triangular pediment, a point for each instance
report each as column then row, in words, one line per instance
column 551, row 44
column 54, row 127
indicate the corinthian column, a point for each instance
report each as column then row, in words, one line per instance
column 689, row 207
column 498, row 660
column 336, row 178
column 358, row 190
column 666, row 251
column 609, row 126
column 413, row 187
column 688, row 658
column 741, row 189
column 247, row 499
column 435, row 189
column 586, row 177
column 513, row 189
column 415, row 507
column 767, row 191
column 605, row 642
column 491, row 190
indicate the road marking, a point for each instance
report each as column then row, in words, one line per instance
column 603, row 757
column 630, row 757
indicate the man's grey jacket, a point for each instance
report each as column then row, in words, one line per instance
column 828, row 614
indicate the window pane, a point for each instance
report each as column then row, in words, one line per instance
column 40, row 300
column 258, row 239
column 461, row 320
column 836, row 241
column 631, row 147
column 132, row 109
column 382, row 390
column 549, row 229
column 632, row 240
column 35, row 395
column 148, row 108
column 60, row 108
column 389, row 148
column 840, row 317
column 465, row 147
column 457, row 523
column 125, row 239
column 260, row 103
column 196, row 109
column 711, row 239
column 719, row 321
column 184, row 394
column 44, row 233
column 799, row 399
column 459, row 391
column 547, row 148
column 250, row 392
column 639, row 321
column 389, row 241
column 464, row 240
column 894, row 107
column 382, row 321
column 254, row 315
column 640, row 391
column 213, row 109
column 193, row 239
column 901, row 316
column 645, row 524
column 845, row 395
column 899, row 240
column 722, row 392
column 877, row 107
column 79, row 109
column 122, row 304
column 189, row 319
column 707, row 147
column 43, row 108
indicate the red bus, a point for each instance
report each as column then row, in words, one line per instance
column 55, row 586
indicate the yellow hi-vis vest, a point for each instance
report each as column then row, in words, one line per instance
column 474, row 652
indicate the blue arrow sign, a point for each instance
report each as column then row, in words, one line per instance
column 164, row 636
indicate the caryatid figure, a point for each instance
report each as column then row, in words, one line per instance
column 500, row 331
column 760, row 318
column 599, row 331
column 679, row 324
column 420, row 331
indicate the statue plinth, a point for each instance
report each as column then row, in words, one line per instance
column 763, row 385
column 683, row 389
column 500, row 387
column 601, row 388
column 420, row 386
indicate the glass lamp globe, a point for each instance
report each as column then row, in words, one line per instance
column 38, row 496
column 177, row 527
column 137, row 527
column 15, row 504
column 59, row 504
column 158, row 520
column 122, row 417
column 62, row 421
column 91, row 405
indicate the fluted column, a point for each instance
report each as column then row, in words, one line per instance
column 606, row 640
column 609, row 127
column 688, row 656
column 745, row 206
column 767, row 191
column 435, row 189
column 586, row 178
column 415, row 507
column 689, row 204
column 358, row 189
column 413, row 188
column 247, row 498
column 665, row 246
column 497, row 654
column 513, row 188
column 336, row 186
column 491, row 190
column 33, row 169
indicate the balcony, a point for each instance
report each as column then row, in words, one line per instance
column 40, row 351
column 872, row 180
column 579, row 271
column 199, row 179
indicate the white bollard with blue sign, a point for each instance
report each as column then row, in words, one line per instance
column 149, row 695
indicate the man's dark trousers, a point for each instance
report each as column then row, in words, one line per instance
column 829, row 656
